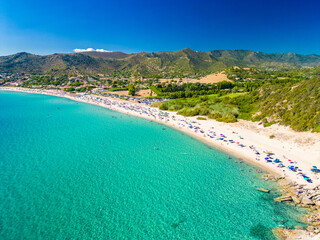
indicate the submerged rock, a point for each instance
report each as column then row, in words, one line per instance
column 175, row 225
column 263, row 190
column 261, row 232
column 283, row 199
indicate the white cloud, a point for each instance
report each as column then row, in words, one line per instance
column 77, row 50
column 102, row 50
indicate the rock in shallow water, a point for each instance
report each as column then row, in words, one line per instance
column 263, row 190
column 283, row 199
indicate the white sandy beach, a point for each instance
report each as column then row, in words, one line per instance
column 242, row 139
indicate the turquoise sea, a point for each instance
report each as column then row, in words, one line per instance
column 70, row 170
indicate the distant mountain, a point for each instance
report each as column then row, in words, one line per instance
column 105, row 55
column 148, row 64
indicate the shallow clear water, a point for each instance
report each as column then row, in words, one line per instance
column 72, row 170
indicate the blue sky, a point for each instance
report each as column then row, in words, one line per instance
column 46, row 27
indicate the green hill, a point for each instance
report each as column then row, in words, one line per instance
column 168, row 63
column 296, row 105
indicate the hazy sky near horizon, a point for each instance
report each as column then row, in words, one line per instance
column 46, row 27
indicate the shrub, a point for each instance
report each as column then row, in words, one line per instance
column 268, row 124
column 227, row 119
column 214, row 115
column 164, row 106
column 245, row 116
column 201, row 118
column 189, row 112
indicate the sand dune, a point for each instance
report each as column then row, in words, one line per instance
column 139, row 93
column 211, row 78
column 214, row 78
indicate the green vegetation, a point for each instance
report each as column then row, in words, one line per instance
column 155, row 90
column 82, row 89
column 76, row 84
column 295, row 103
column 115, row 89
column 286, row 75
column 186, row 90
column 131, row 89
column 201, row 118
column 226, row 108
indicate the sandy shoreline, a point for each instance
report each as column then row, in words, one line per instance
column 244, row 134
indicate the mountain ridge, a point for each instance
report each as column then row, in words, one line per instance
column 154, row 63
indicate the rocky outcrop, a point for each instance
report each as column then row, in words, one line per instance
column 307, row 201
column 296, row 200
column 303, row 196
column 272, row 177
